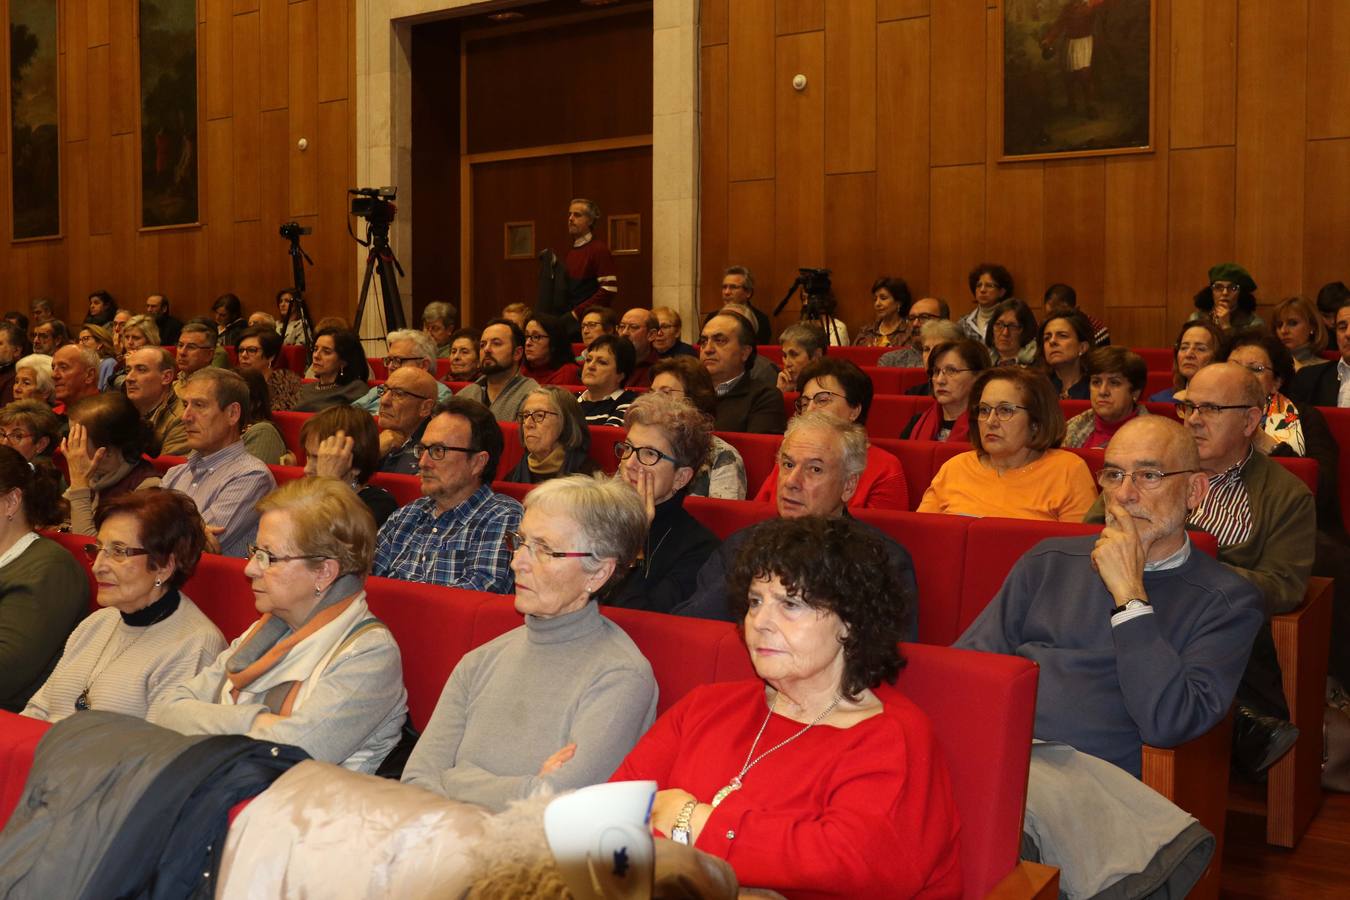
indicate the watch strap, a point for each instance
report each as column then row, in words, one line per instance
column 680, row 833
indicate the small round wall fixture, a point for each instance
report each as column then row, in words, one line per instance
column 799, row 82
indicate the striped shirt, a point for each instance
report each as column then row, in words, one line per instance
column 464, row 547
column 225, row 485
column 1226, row 511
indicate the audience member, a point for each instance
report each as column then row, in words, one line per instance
column 891, row 301
column 407, row 401
column 1299, row 327
column 31, row 428
column 102, row 308
column 666, row 338
column 1015, row 469
column 558, row 702
column 1228, row 300
column 953, row 367
column 439, row 320
column 555, row 437
column 407, row 347
column 149, row 386
column 722, row 474
column 639, row 326
column 1011, row 336
column 989, row 283
column 1197, row 345
column 1330, row 298
column 220, row 475
column 196, row 351
column 837, row 387
column 17, row 318
column 802, row 343
column 517, row 312
column 463, row 355
column 261, row 437
column 455, row 534
column 147, row 637
column 33, row 379
column 1327, row 385
column 340, row 370
column 548, row 351
column 42, row 311
column 259, row 350
column 1116, row 377
column 600, row 320
column 74, row 375
column 342, row 442
column 1061, row 298
column 140, row 331
column 11, row 350
column 591, row 277
column 261, row 318
column 665, row 443
column 727, row 351
column 105, row 453
column 501, row 387
column 1065, row 339
column 316, row 671
column 49, row 336
column 157, row 308
column 738, row 287
column 228, row 312
column 609, row 363
column 290, row 326
column 921, row 312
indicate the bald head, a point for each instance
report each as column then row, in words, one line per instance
column 1143, row 448
column 1174, row 445
column 408, row 399
column 74, row 373
column 1233, row 383
column 1228, row 407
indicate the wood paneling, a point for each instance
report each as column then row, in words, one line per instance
column 957, row 232
column 1328, row 86
column 852, row 252
column 1204, row 59
column 957, row 86
column 1135, row 269
column 435, row 266
column 889, row 10
column 1074, row 232
column 749, row 243
column 714, row 210
column 1201, row 214
column 1326, row 229
column 799, row 204
column 713, row 22
column 850, row 86
column 902, row 223
column 794, row 16
column 751, row 105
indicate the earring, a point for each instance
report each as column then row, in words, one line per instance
column 159, row 582
column 317, row 590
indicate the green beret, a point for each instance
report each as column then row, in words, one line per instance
column 1234, row 273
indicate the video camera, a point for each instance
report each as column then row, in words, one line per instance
column 375, row 205
column 292, row 230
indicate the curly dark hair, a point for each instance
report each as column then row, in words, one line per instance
column 831, row 565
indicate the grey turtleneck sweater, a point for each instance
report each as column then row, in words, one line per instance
column 514, row 702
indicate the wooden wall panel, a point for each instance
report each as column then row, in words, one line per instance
column 246, row 90
column 749, row 242
column 795, row 16
column 1074, row 233
column 750, row 105
column 890, row 10
column 335, row 53
column 302, row 105
column 850, row 86
column 122, row 88
column 1134, row 272
column 851, row 243
column 957, row 85
column 101, row 188
column 957, row 233
column 799, row 204
column 1326, row 230
column 902, row 151
column 74, row 27
column 1201, row 215
column 1328, row 86
column 1204, row 58
column 216, row 40
column 713, row 180
column 713, row 22
column 273, row 51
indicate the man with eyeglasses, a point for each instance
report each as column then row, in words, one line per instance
column 921, row 312
column 196, row 351
column 149, row 387
column 406, row 403
column 500, row 387
column 50, row 336
column 408, row 348
column 640, row 326
column 727, row 351
column 455, row 535
column 1140, row 638
column 666, row 338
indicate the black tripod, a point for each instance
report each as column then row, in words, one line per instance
column 381, row 260
column 298, row 309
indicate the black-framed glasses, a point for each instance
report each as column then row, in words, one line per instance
column 1207, row 410
column 247, row 350
column 538, row 416
column 1003, row 411
column 393, row 362
column 194, row 347
column 265, row 558
column 648, row 456
column 535, row 338
column 437, row 451
column 398, row 393
column 923, row 317
column 517, row 541
column 668, row 326
column 1007, row 326
column 817, row 400
column 119, row 553
column 949, row 371
column 1144, row 479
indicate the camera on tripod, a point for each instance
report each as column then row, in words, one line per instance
column 292, row 230
column 375, row 205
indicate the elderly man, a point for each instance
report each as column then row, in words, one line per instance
column 157, row 308
column 74, row 375
column 50, row 335
column 921, row 312
column 640, row 327
column 727, row 351
column 11, row 350
column 1140, row 638
column 666, row 338
column 500, row 387
column 819, row 464
column 196, row 351
column 738, row 287
column 407, row 401
column 149, row 387
column 438, row 321
column 407, row 347
column 220, row 475
column 456, row 534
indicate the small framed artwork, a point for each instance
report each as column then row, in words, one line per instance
column 35, row 120
column 1075, row 77
column 168, row 113
column 625, row 234
column 519, row 240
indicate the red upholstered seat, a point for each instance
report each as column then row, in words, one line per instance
column 18, row 742
column 405, row 488
column 725, row 517
column 75, row 544
column 293, row 358
column 938, row 545
column 760, row 454
column 289, row 424
column 1338, row 423
column 222, row 591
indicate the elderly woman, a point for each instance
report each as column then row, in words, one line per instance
column 148, row 638
column 464, row 355
column 1015, row 470
column 316, row 671
column 259, row 349
column 837, row 387
column 1116, row 377
column 667, row 441
column 803, row 343
column 340, row 370
column 558, row 702
column 1011, row 337
column 30, row 427
column 816, row 754
column 1066, row 337
column 722, row 475
column 43, row 591
column 609, row 362
column 262, row 439
column 342, row 442
column 98, row 339
column 953, row 367
column 555, row 437
column 890, row 302
column 33, row 378
column 105, row 452
column 1228, row 300
column 1301, row 330
column 548, row 352
column 1197, row 345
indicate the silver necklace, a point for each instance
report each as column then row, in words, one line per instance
column 735, row 784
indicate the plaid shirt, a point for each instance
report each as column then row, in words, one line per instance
column 463, row 547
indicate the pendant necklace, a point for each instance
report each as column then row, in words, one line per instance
column 158, row 615
column 735, row 784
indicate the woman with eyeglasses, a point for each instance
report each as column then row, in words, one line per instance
column 555, row 437
column 1066, row 337
column 342, row 442
column 1117, row 377
column 609, row 362
column 548, row 352
column 317, row 670
column 558, row 702
column 722, row 474
column 953, row 367
column 1228, row 300
column 259, row 349
column 148, row 637
column 890, row 302
column 43, row 591
column 1011, row 337
column 106, row 454
column 1015, row 469
column 667, row 441
column 1197, row 345
column 31, row 428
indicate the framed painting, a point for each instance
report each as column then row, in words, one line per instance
column 1075, row 77
column 168, row 113
column 34, row 109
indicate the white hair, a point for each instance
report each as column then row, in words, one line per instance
column 426, row 347
column 40, row 364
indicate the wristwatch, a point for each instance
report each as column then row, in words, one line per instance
column 1133, row 603
column 680, row 833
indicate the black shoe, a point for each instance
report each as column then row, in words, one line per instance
column 1259, row 741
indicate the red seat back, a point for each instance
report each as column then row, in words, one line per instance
column 760, row 454
column 916, row 458
column 725, row 517
column 1338, row 423
column 289, row 424
column 405, row 488
column 19, row 738
column 222, row 591
column 938, row 545
column 75, row 544
column 1304, row 467
column 1157, row 359
column 293, row 358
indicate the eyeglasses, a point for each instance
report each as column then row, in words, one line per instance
column 669, row 392
column 986, row 286
column 534, row 338
column 538, row 417
column 1256, row 368
column 923, row 317
column 193, row 347
column 393, row 362
column 16, row 435
column 247, row 351
column 949, row 371
column 1007, row 326
column 648, row 456
column 517, row 541
column 265, row 558
column 119, row 553
column 437, row 451
column 1206, row 410
column 398, row 393
column 1224, row 287
column 669, row 326
column 1004, row 411
column 818, row 400
column 1144, row 479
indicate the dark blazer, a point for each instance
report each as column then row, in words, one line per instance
column 677, row 547
column 751, row 406
column 1315, row 385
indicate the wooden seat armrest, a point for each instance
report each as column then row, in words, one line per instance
column 1028, row 880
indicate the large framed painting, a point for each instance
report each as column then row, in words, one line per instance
column 1075, row 77
column 168, row 112
column 34, row 111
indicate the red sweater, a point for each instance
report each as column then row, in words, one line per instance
column 882, row 484
column 567, row 373
column 865, row 811
column 591, row 277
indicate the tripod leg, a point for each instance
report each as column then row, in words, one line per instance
column 365, row 291
column 393, row 303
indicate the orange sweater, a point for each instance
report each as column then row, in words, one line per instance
column 1058, row 486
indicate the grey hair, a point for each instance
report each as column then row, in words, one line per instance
column 41, row 303
column 940, row 328
column 426, row 347
column 744, row 273
column 41, row 366
column 608, row 511
column 674, row 313
column 810, row 338
column 574, row 434
column 88, row 357
column 227, row 386
column 852, row 437
column 688, row 430
column 592, row 208
column 440, row 311
column 146, row 326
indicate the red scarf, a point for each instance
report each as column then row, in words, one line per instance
column 930, row 421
